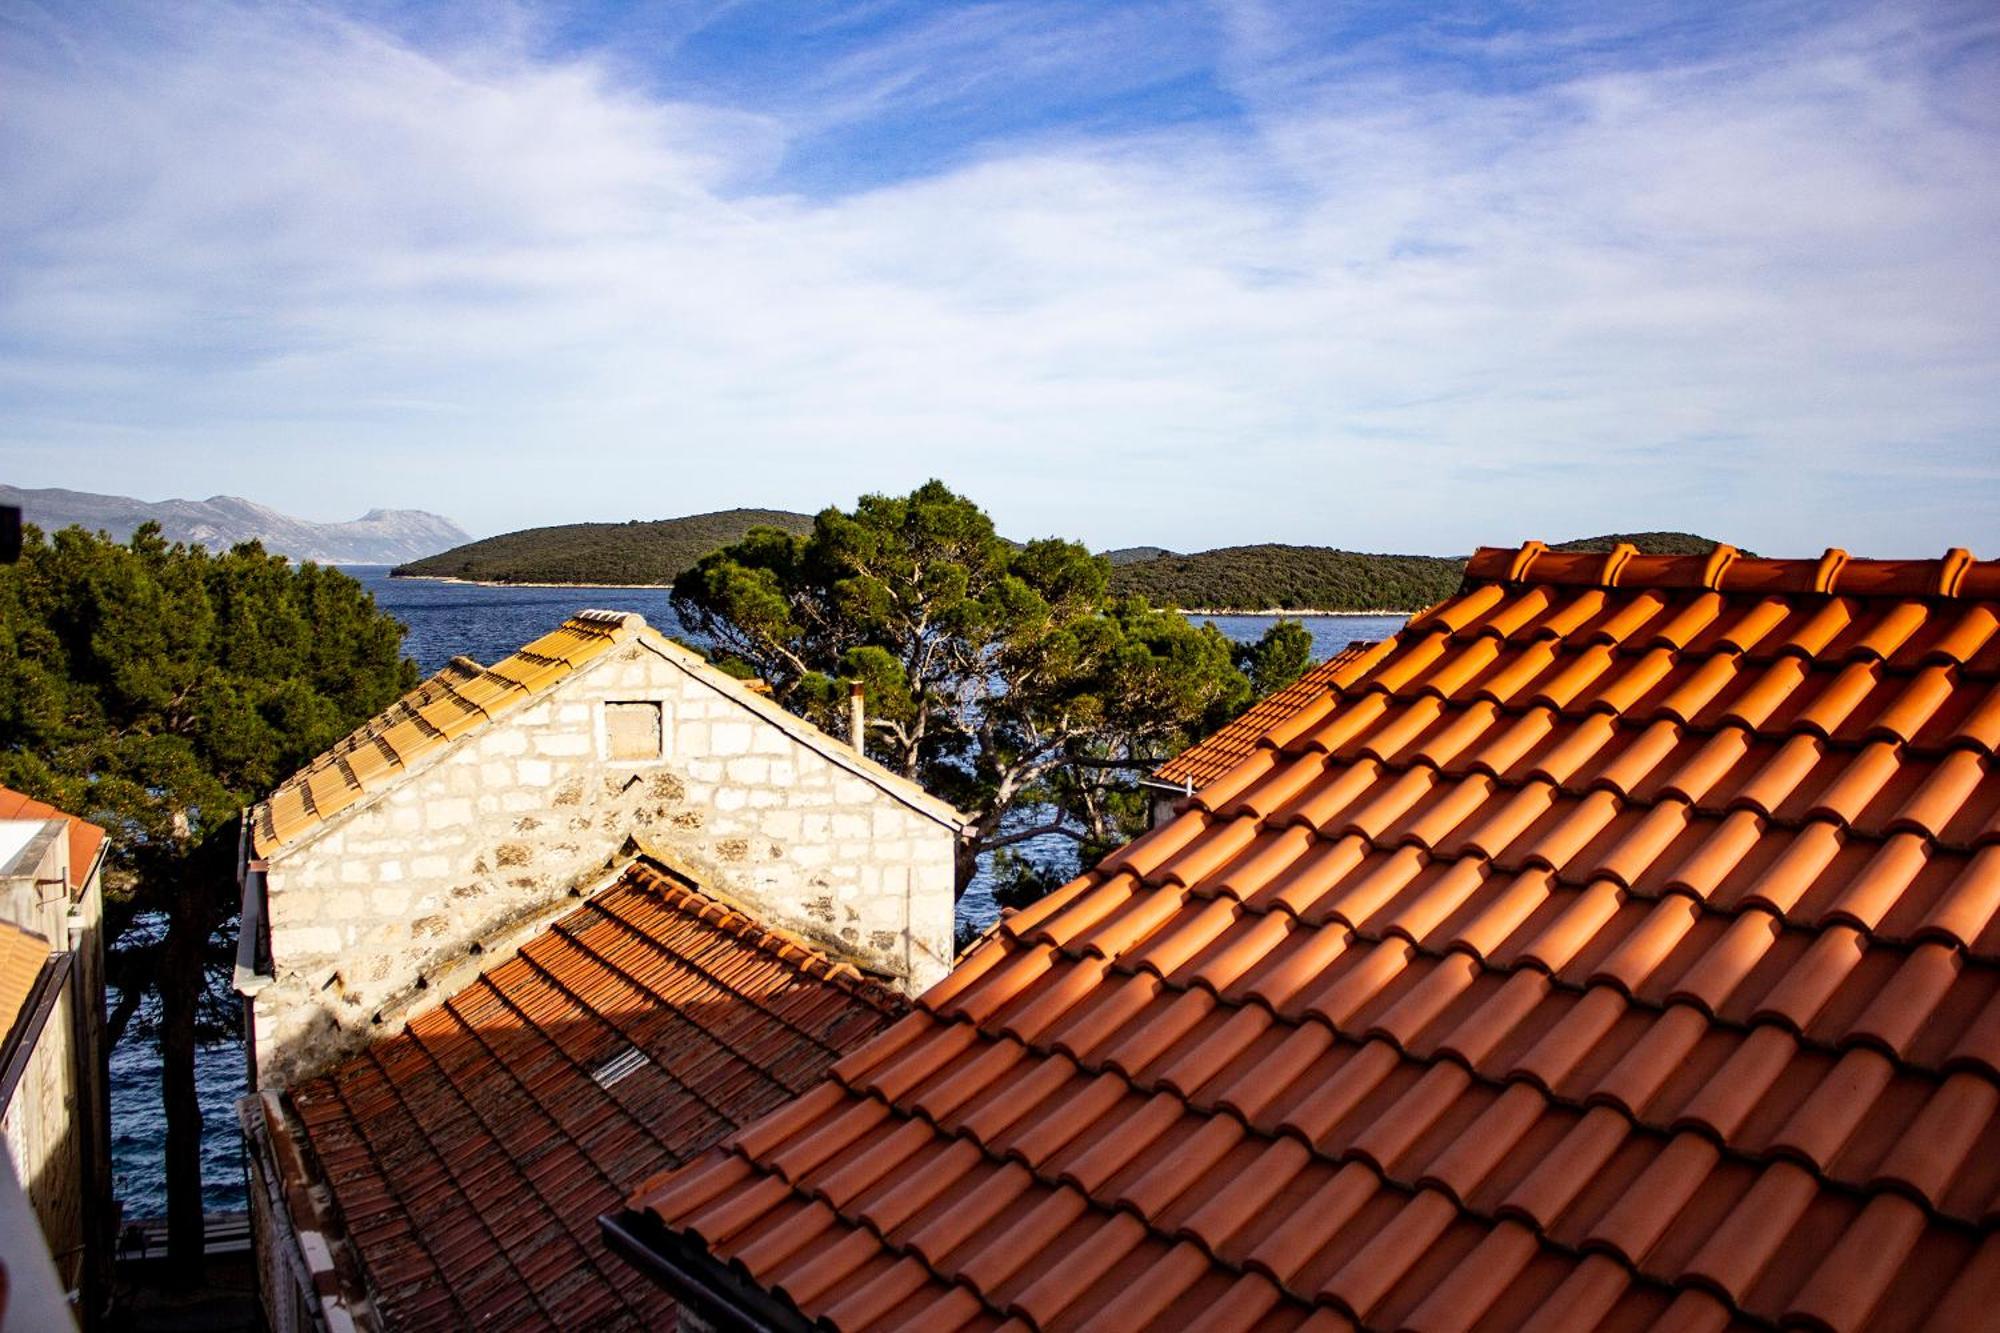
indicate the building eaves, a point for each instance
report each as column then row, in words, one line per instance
column 1616, row 946
column 86, row 840
column 31, row 981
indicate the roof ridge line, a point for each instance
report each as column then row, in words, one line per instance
column 801, row 965
column 839, row 970
column 1956, row 574
column 823, row 743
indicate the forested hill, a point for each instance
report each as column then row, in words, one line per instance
column 1319, row 578
column 1305, row 578
column 1234, row 578
column 611, row 553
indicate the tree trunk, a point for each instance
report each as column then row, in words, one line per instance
column 181, row 980
column 966, row 862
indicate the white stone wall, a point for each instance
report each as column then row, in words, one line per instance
column 506, row 823
column 46, row 1121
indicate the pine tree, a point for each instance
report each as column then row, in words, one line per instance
column 157, row 690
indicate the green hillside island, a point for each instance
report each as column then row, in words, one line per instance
column 632, row 554
column 1319, row 578
column 1231, row 579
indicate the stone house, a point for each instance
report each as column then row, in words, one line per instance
column 539, row 930
column 489, row 794
column 54, row 1107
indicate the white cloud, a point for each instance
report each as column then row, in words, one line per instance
column 284, row 254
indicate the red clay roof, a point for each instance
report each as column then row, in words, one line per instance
column 22, row 956
column 470, row 1155
column 1615, row 947
column 1211, row 758
column 85, row 839
column 463, row 697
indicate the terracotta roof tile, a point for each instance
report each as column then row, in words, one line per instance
column 22, row 954
column 1616, row 947
column 1217, row 754
column 470, row 1155
column 458, row 699
column 85, row 840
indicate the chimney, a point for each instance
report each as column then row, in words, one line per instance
column 857, row 718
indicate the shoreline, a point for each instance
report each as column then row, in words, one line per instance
column 1269, row 611
column 1293, row 613
column 499, row 583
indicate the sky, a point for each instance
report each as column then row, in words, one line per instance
column 1187, row 273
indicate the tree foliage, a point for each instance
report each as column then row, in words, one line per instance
column 1004, row 678
column 1277, row 659
column 157, row 689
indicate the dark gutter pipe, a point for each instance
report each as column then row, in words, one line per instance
column 695, row 1278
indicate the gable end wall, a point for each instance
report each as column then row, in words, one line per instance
column 503, row 826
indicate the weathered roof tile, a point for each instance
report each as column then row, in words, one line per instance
column 470, row 1155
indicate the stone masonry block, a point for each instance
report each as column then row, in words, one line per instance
column 306, row 942
column 503, row 742
column 748, row 771
column 449, row 813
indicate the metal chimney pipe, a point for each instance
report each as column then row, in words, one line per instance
column 857, row 718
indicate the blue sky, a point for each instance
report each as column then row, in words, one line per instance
column 1386, row 277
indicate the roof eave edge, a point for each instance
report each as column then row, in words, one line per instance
column 695, row 1278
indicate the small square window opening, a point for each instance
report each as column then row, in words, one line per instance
column 633, row 730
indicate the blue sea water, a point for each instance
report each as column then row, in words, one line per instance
column 485, row 623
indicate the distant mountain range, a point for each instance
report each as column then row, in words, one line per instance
column 378, row 537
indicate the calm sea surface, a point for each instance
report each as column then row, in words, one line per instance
column 445, row 620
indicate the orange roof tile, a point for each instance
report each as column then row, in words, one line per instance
column 463, row 697
column 1217, row 754
column 85, row 839
column 22, row 955
column 470, row 1155
column 1617, row 946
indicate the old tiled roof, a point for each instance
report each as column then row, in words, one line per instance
column 459, row 699
column 85, row 839
column 1614, row 947
column 466, row 696
column 1211, row 758
column 470, row 1155
column 22, row 954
